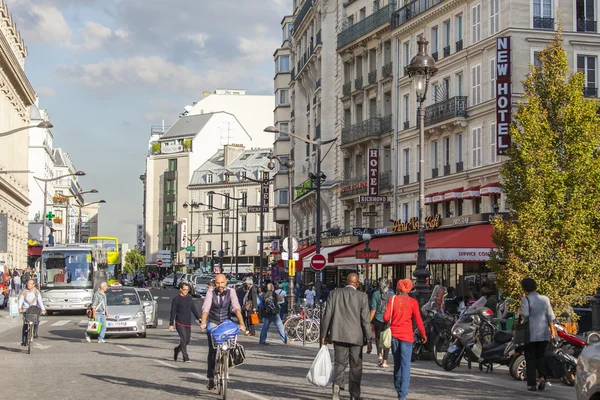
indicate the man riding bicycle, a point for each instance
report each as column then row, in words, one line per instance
column 30, row 297
column 217, row 308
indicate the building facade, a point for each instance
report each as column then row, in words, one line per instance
column 16, row 96
column 66, row 200
column 219, row 119
column 232, row 171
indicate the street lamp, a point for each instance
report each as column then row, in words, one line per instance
column 237, row 225
column 67, row 211
column 289, row 164
column 366, row 237
column 87, row 205
column 221, row 252
column 78, row 173
column 317, row 179
column 43, row 124
column 421, row 69
column 193, row 204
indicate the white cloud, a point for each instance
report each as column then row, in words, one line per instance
column 40, row 23
column 44, row 91
column 257, row 49
column 198, row 38
column 96, row 36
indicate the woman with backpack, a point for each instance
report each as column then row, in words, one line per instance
column 271, row 315
column 378, row 305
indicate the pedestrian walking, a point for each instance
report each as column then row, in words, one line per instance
column 271, row 304
column 538, row 310
column 282, row 304
column 378, row 307
column 309, row 296
column 346, row 325
column 182, row 308
column 30, row 297
column 401, row 311
column 99, row 312
column 250, row 305
column 16, row 283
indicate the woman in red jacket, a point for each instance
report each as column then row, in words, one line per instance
column 400, row 312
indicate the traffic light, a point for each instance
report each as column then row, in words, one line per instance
column 292, row 268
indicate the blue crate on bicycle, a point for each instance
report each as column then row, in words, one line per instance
column 225, row 331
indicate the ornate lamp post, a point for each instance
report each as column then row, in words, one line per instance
column 421, row 69
column 191, row 205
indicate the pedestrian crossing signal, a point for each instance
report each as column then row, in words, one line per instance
column 292, row 268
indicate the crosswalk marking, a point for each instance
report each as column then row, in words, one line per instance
column 160, row 322
column 61, row 322
column 83, row 322
column 165, row 298
column 42, row 322
column 166, row 363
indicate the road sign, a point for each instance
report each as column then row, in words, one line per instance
column 370, row 214
column 190, row 248
column 256, row 209
column 360, row 231
column 285, row 256
column 367, row 254
column 318, row 262
column 294, row 244
column 159, row 263
column 292, row 268
column 373, row 199
column 221, row 253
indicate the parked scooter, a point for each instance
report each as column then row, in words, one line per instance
column 434, row 320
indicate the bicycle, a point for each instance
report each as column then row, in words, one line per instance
column 223, row 339
column 31, row 317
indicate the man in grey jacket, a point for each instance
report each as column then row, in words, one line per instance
column 346, row 325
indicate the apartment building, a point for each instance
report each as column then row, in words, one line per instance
column 282, row 115
column 225, row 196
column 314, row 106
column 66, row 199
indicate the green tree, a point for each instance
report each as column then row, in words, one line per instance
column 552, row 185
column 133, row 260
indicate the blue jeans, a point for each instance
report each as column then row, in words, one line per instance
column 267, row 320
column 402, row 352
column 100, row 317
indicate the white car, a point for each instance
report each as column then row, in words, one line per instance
column 150, row 310
column 168, row 281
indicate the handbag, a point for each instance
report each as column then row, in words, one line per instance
column 385, row 337
column 94, row 327
column 237, row 356
column 522, row 333
column 253, row 317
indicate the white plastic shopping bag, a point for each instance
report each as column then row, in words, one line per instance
column 321, row 369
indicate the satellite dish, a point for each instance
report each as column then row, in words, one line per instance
column 188, row 108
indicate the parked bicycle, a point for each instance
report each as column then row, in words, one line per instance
column 224, row 340
column 305, row 325
column 31, row 317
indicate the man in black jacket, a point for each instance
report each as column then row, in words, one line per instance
column 251, row 304
column 182, row 308
column 346, row 324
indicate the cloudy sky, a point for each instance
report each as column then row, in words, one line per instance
column 107, row 70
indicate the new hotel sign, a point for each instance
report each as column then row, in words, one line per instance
column 503, row 94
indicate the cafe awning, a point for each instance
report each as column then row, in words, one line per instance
column 490, row 188
column 325, row 251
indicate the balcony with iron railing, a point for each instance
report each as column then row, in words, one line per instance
column 543, row 23
column 434, row 172
column 358, row 83
column 586, row 25
column 386, row 124
column 446, row 109
column 371, row 127
column 589, row 91
column 406, row 125
column 387, row 70
column 460, row 167
column 447, row 169
column 459, row 45
column 406, row 179
column 373, row 77
column 378, row 19
column 347, row 88
column 434, row 55
column 302, row 14
column 411, row 10
column 447, row 51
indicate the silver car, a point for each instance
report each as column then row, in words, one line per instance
column 200, row 284
column 587, row 378
column 151, row 310
column 126, row 314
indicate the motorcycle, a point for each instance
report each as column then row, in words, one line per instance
column 470, row 334
column 435, row 322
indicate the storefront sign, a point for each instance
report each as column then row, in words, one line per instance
column 369, row 214
column 373, row 179
column 183, row 232
column 338, row 241
column 353, row 187
column 373, row 199
column 360, row 231
column 503, row 94
column 431, row 222
column 367, row 254
column 461, row 221
column 381, row 231
column 304, row 188
column 169, row 148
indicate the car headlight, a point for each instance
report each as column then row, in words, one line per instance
column 458, row 331
column 46, row 300
column 139, row 314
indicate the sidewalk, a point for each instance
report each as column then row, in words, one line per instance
column 7, row 322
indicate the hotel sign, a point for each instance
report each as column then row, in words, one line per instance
column 373, row 180
column 503, row 94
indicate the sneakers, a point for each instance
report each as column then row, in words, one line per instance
column 336, row 392
column 35, row 335
column 87, row 338
column 187, row 361
column 102, row 341
column 542, row 385
column 211, row 384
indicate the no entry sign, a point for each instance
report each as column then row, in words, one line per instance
column 159, row 263
column 318, row 262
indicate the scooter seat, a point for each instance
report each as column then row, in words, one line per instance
column 503, row 336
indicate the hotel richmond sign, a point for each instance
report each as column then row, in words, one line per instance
column 503, row 94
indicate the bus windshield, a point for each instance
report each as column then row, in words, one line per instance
column 67, row 269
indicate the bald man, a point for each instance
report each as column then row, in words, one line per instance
column 346, row 324
column 99, row 312
column 218, row 305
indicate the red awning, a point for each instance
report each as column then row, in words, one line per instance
column 303, row 253
column 490, row 188
column 34, row 250
column 471, row 192
column 453, row 194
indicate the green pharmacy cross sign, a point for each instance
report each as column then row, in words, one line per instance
column 50, row 216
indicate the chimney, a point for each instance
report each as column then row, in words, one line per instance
column 231, row 152
column 205, row 94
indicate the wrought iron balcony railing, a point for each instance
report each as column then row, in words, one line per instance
column 386, row 124
column 406, row 125
column 586, row 26
column 354, row 186
column 590, row 91
column 379, row 18
column 300, row 17
column 543, row 23
column 387, row 70
column 347, row 88
column 369, row 128
column 447, row 169
column 358, row 83
column 411, row 10
column 459, row 167
column 434, row 55
column 434, row 172
column 459, row 45
column 447, row 51
column 406, row 179
column 443, row 110
column 372, row 77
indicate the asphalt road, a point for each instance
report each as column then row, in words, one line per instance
column 63, row 365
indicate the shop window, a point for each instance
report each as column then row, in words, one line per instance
column 477, row 205
column 447, row 209
column 459, row 207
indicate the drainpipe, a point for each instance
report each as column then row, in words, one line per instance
column 396, row 128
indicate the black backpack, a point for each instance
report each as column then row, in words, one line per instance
column 271, row 306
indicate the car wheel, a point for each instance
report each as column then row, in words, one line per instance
column 49, row 313
column 517, row 368
column 142, row 335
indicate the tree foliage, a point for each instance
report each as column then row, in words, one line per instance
column 552, row 185
column 133, row 261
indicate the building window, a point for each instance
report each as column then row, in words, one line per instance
column 405, row 216
column 459, row 84
column 282, row 161
column 406, row 110
column 585, row 11
column 209, row 224
column 447, row 150
column 493, row 78
column 282, row 64
column 477, row 205
column 459, row 27
column 226, row 224
column 447, row 209
column 446, row 34
column 494, row 16
column 226, row 247
column 170, row 208
column 283, row 97
column 406, row 49
column 406, row 153
column 244, row 224
column 476, row 152
column 225, row 201
column 283, row 128
column 493, row 154
column 209, row 198
column 587, row 65
column 475, row 85
column 434, row 155
column 172, row 164
column 459, row 207
column 242, row 247
column 476, row 21
column 282, row 197
column 536, row 59
column 434, row 41
column 244, row 199
column 287, row 31
column 209, row 178
column 542, row 14
column 459, row 147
